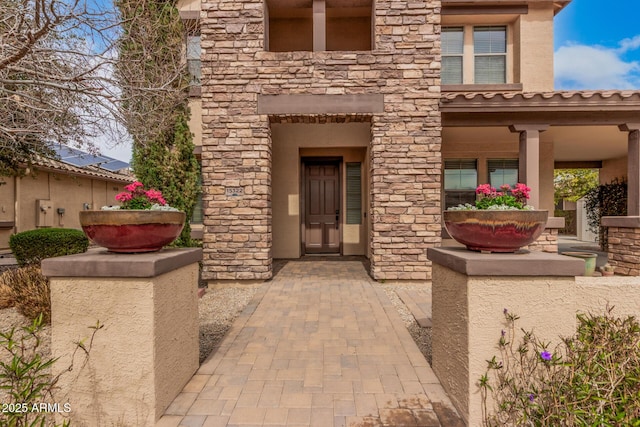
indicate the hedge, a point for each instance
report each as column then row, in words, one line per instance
column 30, row 247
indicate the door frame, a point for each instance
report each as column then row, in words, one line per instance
column 304, row 161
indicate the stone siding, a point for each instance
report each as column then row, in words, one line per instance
column 406, row 138
column 547, row 242
column 624, row 252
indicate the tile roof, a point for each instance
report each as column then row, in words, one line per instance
column 563, row 100
column 603, row 96
column 86, row 171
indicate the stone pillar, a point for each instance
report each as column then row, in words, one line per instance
column 236, row 151
column 624, row 244
column 406, row 163
column 147, row 348
column 469, row 294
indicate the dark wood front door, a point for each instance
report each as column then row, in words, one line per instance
column 322, row 207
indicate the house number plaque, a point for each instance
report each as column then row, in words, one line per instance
column 234, row 191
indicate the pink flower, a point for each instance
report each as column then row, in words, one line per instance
column 155, row 195
column 521, row 190
column 124, row 197
column 485, row 189
column 132, row 187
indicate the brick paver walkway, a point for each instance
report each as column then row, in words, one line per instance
column 320, row 346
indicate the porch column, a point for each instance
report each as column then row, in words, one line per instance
column 529, row 161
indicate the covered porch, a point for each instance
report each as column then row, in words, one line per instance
column 546, row 131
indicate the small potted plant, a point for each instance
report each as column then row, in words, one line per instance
column 143, row 222
column 499, row 221
column 607, row 270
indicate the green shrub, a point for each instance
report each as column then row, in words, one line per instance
column 31, row 247
column 605, row 200
column 28, row 290
column 590, row 379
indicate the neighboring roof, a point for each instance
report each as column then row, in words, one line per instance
column 79, row 163
column 75, row 157
column 567, row 107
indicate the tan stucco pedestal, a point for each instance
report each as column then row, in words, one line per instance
column 471, row 290
column 146, row 350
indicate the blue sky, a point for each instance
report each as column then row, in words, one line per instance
column 597, row 45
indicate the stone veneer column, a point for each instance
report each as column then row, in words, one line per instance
column 469, row 294
column 405, row 151
column 147, row 348
column 236, row 152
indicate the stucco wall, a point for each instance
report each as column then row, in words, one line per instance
column 612, row 169
column 469, row 300
column 63, row 191
column 595, row 294
column 195, row 120
column 138, row 361
column 534, row 68
column 529, row 44
column 292, row 141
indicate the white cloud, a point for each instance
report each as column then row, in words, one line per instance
column 579, row 67
column 629, row 44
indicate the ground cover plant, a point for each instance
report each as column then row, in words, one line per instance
column 589, row 379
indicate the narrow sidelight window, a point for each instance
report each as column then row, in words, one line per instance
column 354, row 193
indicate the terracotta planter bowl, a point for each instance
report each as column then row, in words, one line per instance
column 131, row 231
column 495, row 231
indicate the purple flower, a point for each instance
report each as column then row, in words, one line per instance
column 545, row 355
column 532, row 397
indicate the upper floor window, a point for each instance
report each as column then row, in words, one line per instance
column 194, row 64
column 452, row 51
column 474, row 55
column 318, row 25
column 490, row 51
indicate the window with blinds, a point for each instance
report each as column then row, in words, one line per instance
column 460, row 181
column 452, row 52
column 354, row 193
column 502, row 171
column 490, row 51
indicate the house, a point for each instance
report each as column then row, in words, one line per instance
column 53, row 191
column 346, row 126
